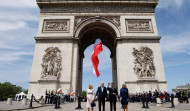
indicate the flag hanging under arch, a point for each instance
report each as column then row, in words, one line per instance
column 95, row 61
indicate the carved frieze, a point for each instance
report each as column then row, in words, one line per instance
column 144, row 62
column 91, row 8
column 56, row 25
column 139, row 25
column 51, row 63
column 114, row 19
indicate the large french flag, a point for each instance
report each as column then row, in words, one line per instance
column 95, row 61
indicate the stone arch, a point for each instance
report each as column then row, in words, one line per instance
column 101, row 24
column 87, row 32
column 96, row 19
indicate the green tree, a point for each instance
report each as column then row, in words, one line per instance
column 83, row 93
column 8, row 90
column 26, row 91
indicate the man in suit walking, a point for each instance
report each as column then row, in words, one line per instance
column 102, row 96
column 112, row 95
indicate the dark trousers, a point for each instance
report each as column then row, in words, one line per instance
column 45, row 100
column 172, row 105
column 101, row 102
column 147, row 104
column 112, row 104
column 143, row 103
column 48, row 100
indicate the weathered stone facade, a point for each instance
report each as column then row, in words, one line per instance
column 127, row 27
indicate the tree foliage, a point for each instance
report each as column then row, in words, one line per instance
column 26, row 91
column 8, row 90
column 83, row 93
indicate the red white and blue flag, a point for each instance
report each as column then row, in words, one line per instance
column 95, row 61
column 72, row 94
column 59, row 91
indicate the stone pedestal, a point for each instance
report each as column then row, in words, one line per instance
column 158, row 101
column 24, row 101
column 42, row 102
column 9, row 101
column 176, row 102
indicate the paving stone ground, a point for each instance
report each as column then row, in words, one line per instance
column 71, row 107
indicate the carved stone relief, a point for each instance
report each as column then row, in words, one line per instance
column 114, row 19
column 144, row 62
column 56, row 25
column 103, row 8
column 51, row 63
column 139, row 25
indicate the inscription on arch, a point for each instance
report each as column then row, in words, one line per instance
column 139, row 25
column 56, row 25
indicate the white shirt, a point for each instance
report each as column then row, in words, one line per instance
column 102, row 88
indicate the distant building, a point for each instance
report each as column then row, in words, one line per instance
column 182, row 87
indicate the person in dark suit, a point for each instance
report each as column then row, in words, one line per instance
column 101, row 93
column 112, row 95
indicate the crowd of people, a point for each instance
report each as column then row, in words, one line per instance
column 183, row 95
column 19, row 97
column 150, row 96
column 52, row 97
column 164, row 96
column 124, row 97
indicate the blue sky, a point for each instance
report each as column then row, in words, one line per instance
column 19, row 24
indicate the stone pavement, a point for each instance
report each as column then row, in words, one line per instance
column 16, row 105
column 71, row 107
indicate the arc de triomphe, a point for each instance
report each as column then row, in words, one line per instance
column 67, row 27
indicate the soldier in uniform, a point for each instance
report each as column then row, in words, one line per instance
column 51, row 98
column 147, row 99
column 46, row 97
column 150, row 96
column 143, row 100
column 172, row 101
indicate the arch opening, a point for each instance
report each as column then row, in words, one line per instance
column 91, row 32
column 87, row 36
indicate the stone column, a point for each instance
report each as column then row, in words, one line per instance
column 9, row 101
column 176, row 102
column 74, row 69
column 114, row 72
column 24, row 101
column 42, row 102
column 158, row 101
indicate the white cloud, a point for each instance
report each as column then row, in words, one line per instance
column 18, row 25
column 177, row 63
column 19, row 14
column 170, row 3
column 12, row 56
column 6, row 26
column 18, row 3
column 179, row 43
